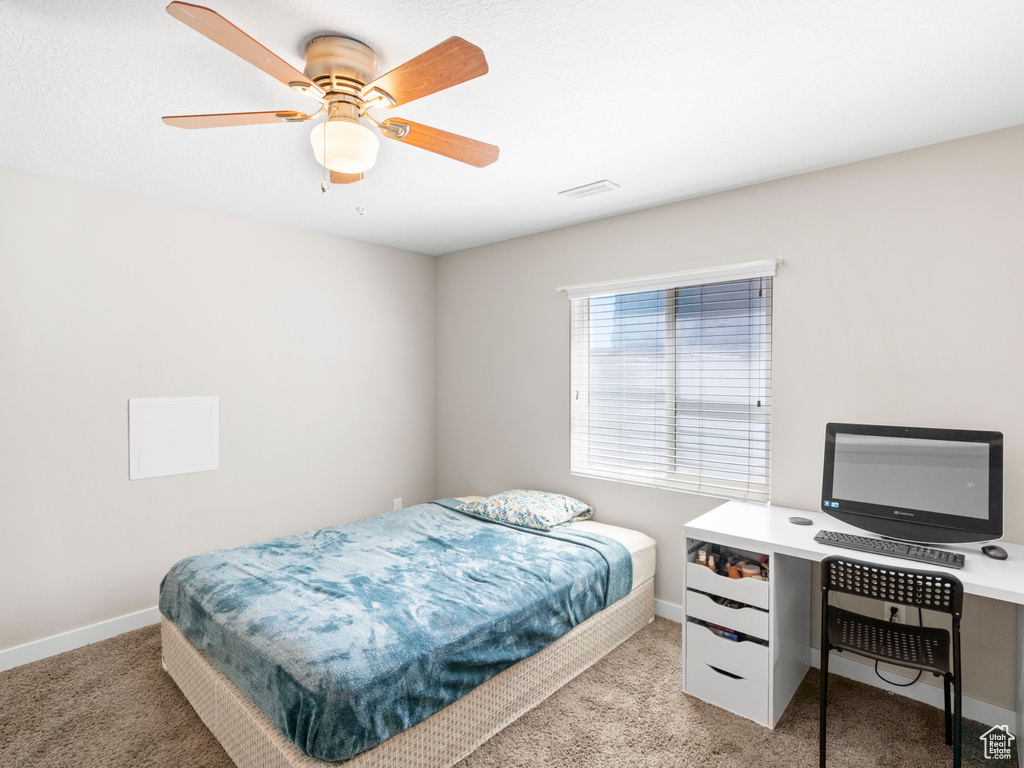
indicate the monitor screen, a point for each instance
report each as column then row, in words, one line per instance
column 930, row 485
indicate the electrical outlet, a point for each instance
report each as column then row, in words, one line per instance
column 397, row 503
column 901, row 613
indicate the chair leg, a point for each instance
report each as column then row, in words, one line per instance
column 949, row 720
column 957, row 724
column 822, row 703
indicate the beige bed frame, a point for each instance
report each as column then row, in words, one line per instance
column 440, row 741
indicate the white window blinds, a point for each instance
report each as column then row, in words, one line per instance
column 671, row 381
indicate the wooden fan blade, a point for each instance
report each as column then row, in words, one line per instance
column 228, row 119
column 452, row 62
column 345, row 178
column 450, row 145
column 214, row 26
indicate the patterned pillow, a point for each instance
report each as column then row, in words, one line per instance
column 531, row 509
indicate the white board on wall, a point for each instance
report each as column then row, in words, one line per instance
column 172, row 436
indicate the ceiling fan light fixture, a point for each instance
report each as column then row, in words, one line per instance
column 344, row 145
column 343, row 75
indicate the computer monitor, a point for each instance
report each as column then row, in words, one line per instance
column 914, row 483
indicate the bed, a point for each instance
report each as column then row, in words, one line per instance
column 462, row 643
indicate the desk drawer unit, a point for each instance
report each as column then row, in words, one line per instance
column 744, row 697
column 757, row 674
column 732, row 674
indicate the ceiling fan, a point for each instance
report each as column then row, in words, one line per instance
column 344, row 76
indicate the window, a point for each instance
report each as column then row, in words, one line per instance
column 671, row 381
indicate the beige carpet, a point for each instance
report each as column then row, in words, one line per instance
column 110, row 704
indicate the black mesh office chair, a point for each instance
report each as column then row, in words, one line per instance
column 907, row 645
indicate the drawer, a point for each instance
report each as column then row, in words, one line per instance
column 749, row 620
column 749, row 591
column 746, row 659
column 744, row 697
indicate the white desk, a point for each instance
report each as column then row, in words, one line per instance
column 792, row 550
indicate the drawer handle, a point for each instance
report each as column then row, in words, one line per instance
column 724, row 673
column 739, row 607
column 747, row 639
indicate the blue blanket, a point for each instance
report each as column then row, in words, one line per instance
column 347, row 636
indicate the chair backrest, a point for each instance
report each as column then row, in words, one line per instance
column 924, row 589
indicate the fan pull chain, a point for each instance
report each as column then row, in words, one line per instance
column 324, row 184
column 359, row 206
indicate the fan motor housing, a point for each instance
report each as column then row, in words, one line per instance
column 336, row 63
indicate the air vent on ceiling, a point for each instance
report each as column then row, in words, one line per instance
column 589, row 189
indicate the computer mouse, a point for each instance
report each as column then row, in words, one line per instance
column 994, row 551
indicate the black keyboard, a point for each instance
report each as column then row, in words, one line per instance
column 891, row 548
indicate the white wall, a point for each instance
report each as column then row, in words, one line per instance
column 899, row 302
column 320, row 349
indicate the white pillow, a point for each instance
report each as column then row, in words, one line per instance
column 531, row 509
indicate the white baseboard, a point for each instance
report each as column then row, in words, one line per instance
column 76, row 638
column 668, row 611
column 983, row 712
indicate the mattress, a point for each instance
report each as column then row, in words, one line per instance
column 640, row 546
column 347, row 636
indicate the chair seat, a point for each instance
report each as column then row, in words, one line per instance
column 924, row 648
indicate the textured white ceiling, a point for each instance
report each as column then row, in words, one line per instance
column 669, row 99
